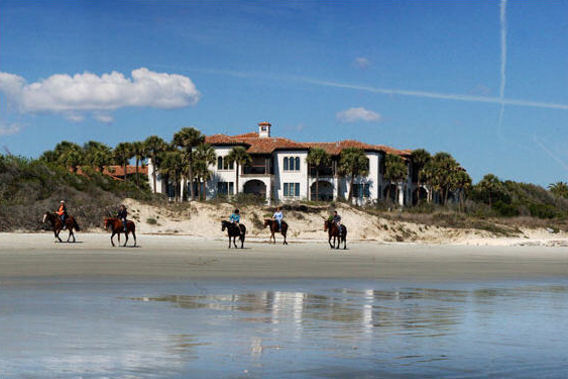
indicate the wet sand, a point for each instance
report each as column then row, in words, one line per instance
column 36, row 255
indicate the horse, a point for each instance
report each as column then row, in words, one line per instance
column 234, row 232
column 57, row 224
column 116, row 226
column 333, row 231
column 273, row 226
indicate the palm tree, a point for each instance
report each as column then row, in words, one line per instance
column 240, row 157
column 172, row 165
column 419, row 158
column 318, row 158
column 122, row 154
column 559, row 189
column 395, row 172
column 97, row 154
column 139, row 152
column 490, row 187
column 72, row 159
column 153, row 146
column 462, row 183
column 187, row 139
column 353, row 162
column 439, row 171
column 203, row 157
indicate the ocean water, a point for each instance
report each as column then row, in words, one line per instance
column 104, row 327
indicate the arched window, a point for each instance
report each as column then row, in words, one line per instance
column 286, row 163
column 297, row 168
column 219, row 163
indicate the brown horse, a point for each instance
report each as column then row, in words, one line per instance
column 57, row 224
column 115, row 225
column 234, row 232
column 333, row 231
column 273, row 226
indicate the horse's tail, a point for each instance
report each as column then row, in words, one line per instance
column 243, row 230
column 75, row 225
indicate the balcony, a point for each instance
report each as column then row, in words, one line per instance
column 254, row 170
column 324, row 172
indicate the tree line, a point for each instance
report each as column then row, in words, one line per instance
column 188, row 157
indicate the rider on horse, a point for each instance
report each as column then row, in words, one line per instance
column 235, row 218
column 278, row 216
column 62, row 212
column 122, row 215
column 336, row 219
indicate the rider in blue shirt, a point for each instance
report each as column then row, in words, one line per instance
column 235, row 218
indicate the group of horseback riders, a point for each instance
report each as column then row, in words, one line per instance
column 235, row 229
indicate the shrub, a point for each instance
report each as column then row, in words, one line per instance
column 151, row 221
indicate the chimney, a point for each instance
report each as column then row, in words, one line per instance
column 264, row 129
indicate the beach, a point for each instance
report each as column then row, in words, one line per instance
column 184, row 257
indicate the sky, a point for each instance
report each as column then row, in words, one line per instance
column 486, row 81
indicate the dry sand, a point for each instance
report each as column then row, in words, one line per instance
column 185, row 257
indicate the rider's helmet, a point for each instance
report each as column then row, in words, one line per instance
column 236, row 211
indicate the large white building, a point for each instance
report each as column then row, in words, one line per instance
column 279, row 170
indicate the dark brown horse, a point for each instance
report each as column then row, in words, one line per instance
column 234, row 232
column 115, row 225
column 333, row 231
column 57, row 224
column 273, row 226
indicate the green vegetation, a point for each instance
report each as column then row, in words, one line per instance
column 240, row 157
column 29, row 188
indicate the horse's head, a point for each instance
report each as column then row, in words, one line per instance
column 108, row 223
column 325, row 225
column 45, row 216
column 267, row 222
column 223, row 225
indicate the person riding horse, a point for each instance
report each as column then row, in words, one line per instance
column 278, row 216
column 336, row 220
column 235, row 217
column 62, row 212
column 122, row 213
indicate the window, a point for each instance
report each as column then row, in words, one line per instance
column 225, row 188
column 224, row 164
column 361, row 190
column 291, row 189
column 291, row 163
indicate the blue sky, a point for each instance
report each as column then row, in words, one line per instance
column 410, row 74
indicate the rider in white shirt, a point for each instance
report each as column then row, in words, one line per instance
column 278, row 216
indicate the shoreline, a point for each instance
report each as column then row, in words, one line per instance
column 188, row 257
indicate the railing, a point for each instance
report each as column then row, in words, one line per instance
column 255, row 170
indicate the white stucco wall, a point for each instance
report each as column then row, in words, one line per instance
column 281, row 176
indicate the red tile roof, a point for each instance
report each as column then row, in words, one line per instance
column 267, row 145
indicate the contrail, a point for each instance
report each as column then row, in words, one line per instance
column 439, row 95
column 550, row 153
column 503, row 20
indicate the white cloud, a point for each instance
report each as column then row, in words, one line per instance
column 9, row 129
column 105, row 118
column 357, row 114
column 87, row 92
column 362, row 62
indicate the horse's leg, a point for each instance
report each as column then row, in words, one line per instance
column 344, row 242
column 284, row 235
column 329, row 241
column 57, row 235
column 125, row 239
column 235, row 242
column 229, row 241
column 111, row 237
column 134, row 235
column 242, row 241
